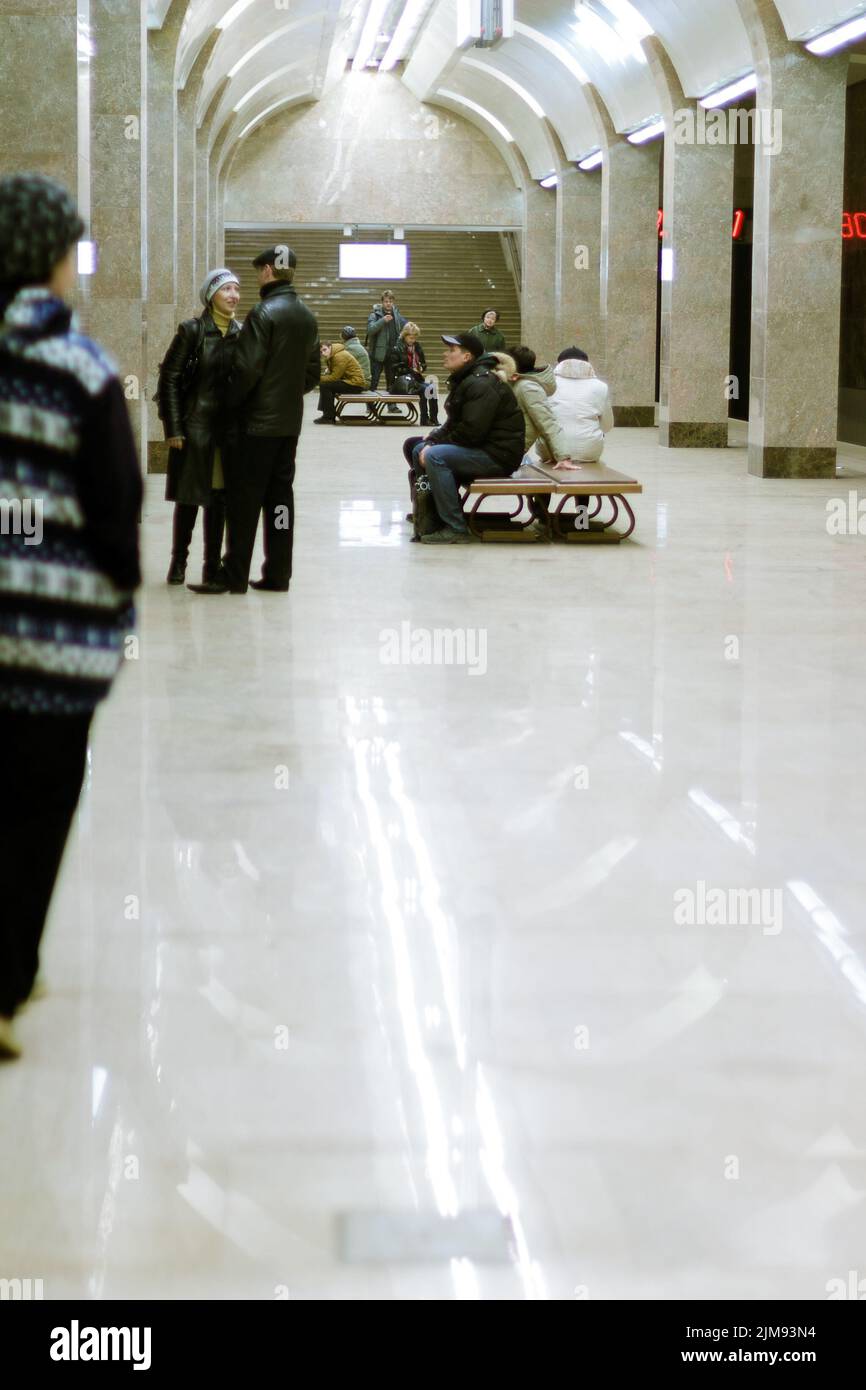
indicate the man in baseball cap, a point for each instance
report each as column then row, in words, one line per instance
column 482, row 437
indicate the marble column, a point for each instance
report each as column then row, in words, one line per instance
column 797, row 252
column 161, row 226
column 537, row 299
column 118, row 192
column 189, row 266
column 696, row 289
column 38, row 115
column 205, row 188
column 628, row 294
column 578, row 262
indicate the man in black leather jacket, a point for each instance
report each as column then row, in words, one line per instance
column 276, row 362
column 482, row 437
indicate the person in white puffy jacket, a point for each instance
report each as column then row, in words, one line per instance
column 581, row 404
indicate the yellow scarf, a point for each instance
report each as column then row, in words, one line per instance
column 221, row 320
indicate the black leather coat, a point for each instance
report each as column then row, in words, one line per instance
column 277, row 361
column 398, row 360
column 483, row 413
column 201, row 416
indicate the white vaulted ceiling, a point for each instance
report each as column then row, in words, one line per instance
column 529, row 88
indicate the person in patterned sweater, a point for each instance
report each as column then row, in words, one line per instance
column 70, row 494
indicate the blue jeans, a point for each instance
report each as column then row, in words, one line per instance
column 446, row 465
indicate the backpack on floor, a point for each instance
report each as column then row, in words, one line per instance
column 425, row 517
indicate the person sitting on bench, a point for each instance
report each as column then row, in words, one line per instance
column 482, row 436
column 581, row 404
column 408, row 364
column 342, row 375
column 533, row 386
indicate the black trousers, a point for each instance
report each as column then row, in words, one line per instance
column 214, row 530
column 331, row 389
column 376, row 369
column 262, row 482
column 44, row 757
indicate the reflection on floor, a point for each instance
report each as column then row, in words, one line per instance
column 375, row 979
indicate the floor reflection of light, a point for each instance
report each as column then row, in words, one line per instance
column 362, row 523
column 444, row 1191
column 722, row 817
column 493, row 1163
column 465, row 1280
column 647, row 750
column 831, row 933
column 97, row 1089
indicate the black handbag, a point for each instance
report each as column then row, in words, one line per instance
column 188, row 374
column 425, row 517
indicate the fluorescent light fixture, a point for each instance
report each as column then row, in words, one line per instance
column 231, row 15
column 836, row 38
column 592, row 161
column 87, row 258
column 278, row 72
column 723, row 95
column 549, row 181
column 603, row 39
column 667, row 263
column 406, row 26
column 567, row 59
column 500, row 76
column 367, row 41
column 651, row 131
column 479, row 111
column 365, row 260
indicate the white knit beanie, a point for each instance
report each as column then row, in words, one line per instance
column 216, row 280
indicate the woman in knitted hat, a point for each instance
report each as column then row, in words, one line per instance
column 200, row 434
column 71, row 485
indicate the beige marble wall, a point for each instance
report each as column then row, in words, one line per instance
column 369, row 152
column 162, row 189
column 796, row 266
column 539, row 266
column 186, row 302
column 118, row 128
column 578, row 262
column 38, row 103
column 696, row 301
column 629, row 268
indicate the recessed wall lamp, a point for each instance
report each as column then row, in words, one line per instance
column 651, row 131
column 838, row 37
column 723, row 95
column 549, row 181
column 592, row 161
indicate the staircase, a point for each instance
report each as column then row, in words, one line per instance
column 453, row 277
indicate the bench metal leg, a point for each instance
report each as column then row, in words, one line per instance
column 598, row 531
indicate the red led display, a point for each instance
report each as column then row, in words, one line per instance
column 854, row 226
column 739, row 223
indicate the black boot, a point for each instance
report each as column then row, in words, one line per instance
column 214, row 530
column 183, row 527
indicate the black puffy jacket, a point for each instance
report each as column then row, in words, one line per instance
column 483, row 413
column 200, row 415
column 398, row 360
column 276, row 362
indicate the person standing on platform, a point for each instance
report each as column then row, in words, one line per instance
column 276, row 362
column 192, row 385
column 487, row 333
column 69, row 565
column 384, row 327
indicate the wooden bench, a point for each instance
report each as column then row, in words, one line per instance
column 535, row 487
column 376, row 409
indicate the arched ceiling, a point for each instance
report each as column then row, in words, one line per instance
column 526, row 92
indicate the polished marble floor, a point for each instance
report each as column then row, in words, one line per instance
column 367, row 979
